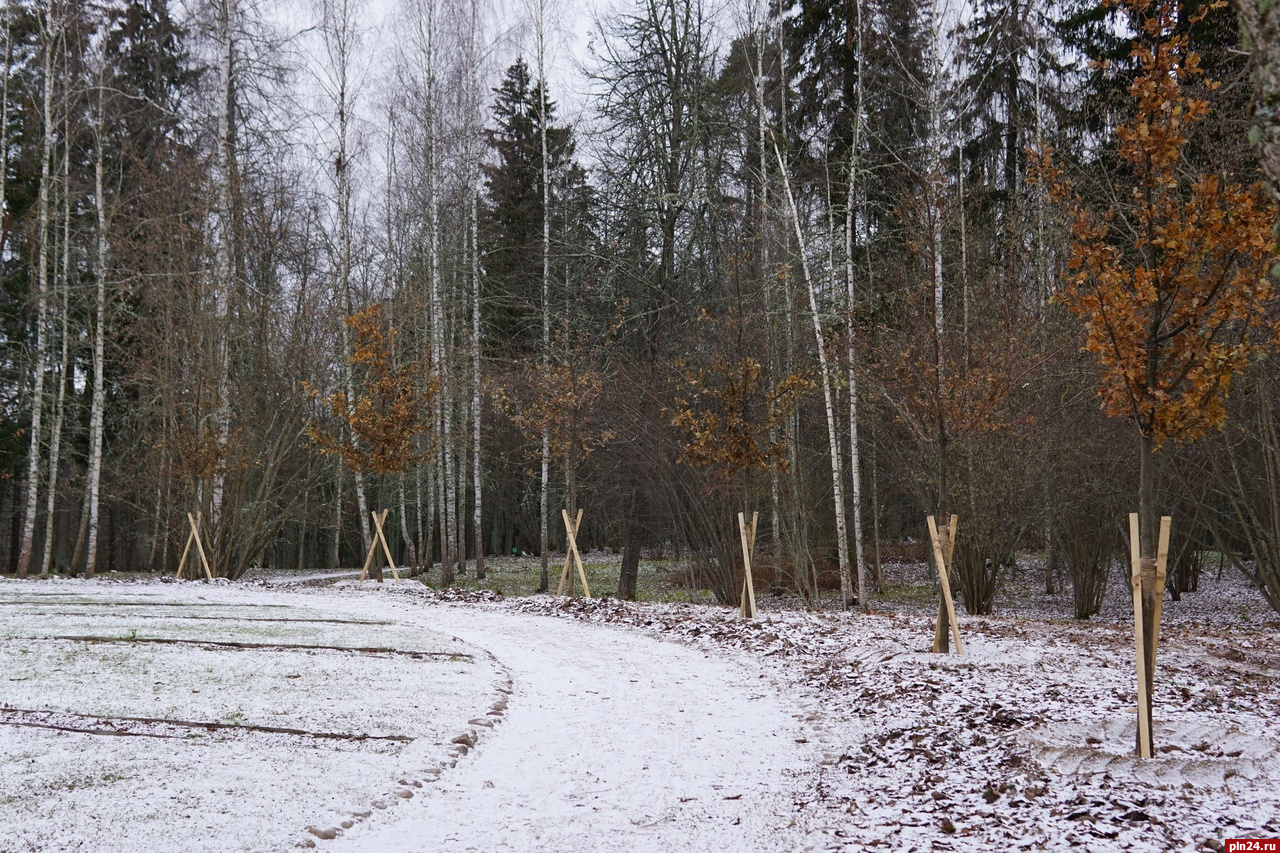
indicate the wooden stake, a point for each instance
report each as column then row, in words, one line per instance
column 379, row 538
column 748, row 535
column 1162, row 562
column 1135, row 579
column 948, row 552
column 572, row 530
column 943, row 558
column 565, row 573
column 194, row 536
column 182, row 564
column 382, row 537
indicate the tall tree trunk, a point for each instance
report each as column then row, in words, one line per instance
column 4, row 134
column 428, row 543
column 934, row 213
column 540, row 35
column 446, row 559
column 410, row 548
column 851, row 354
column 89, row 523
column 60, row 406
column 335, row 546
column 42, row 304
column 477, row 485
column 833, row 432
column 228, row 249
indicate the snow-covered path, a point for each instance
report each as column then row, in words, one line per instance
column 612, row 741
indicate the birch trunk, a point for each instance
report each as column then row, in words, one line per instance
column 477, row 484
column 410, row 546
column 444, row 478
column 42, row 305
column 458, row 528
column 227, row 250
column 60, row 407
column 428, row 543
column 540, row 34
column 934, row 213
column 341, row 35
column 833, row 432
column 335, row 546
column 766, row 275
column 4, row 132
column 851, row 354
column 98, row 405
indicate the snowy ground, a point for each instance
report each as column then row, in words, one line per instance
column 627, row 727
column 318, row 714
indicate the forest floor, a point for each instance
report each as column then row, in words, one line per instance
column 536, row 723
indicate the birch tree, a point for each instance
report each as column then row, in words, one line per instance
column 51, row 33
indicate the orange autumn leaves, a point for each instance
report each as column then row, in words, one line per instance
column 1171, row 280
column 727, row 416
column 379, row 426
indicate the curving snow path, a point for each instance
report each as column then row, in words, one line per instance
column 612, row 741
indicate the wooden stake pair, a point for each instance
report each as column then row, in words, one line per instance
column 1145, row 665
column 942, row 553
column 194, row 536
column 573, row 557
column 748, row 534
column 379, row 538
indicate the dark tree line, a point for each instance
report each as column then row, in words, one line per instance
column 805, row 267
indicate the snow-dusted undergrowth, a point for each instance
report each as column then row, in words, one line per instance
column 1023, row 742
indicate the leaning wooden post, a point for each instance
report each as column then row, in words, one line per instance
column 194, row 536
column 571, row 530
column 1162, row 563
column 1135, row 581
column 566, row 573
column 942, row 554
column 748, row 535
column 379, row 539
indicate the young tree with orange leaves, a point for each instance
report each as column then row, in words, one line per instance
column 1171, row 280
column 377, row 429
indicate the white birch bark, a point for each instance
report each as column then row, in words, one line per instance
column 851, row 354
column 404, row 526
column 759, row 13
column 540, row 35
column 98, row 405
column 4, row 118
column 335, row 544
column 226, row 250
column 340, row 33
column 833, row 431
column 60, row 406
column 477, row 485
column 42, row 301
column 476, row 388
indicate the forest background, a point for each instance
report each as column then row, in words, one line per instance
column 283, row 267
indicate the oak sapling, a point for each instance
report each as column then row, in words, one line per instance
column 377, row 428
column 1171, row 280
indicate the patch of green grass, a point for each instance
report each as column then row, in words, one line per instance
column 657, row 580
column 907, row 592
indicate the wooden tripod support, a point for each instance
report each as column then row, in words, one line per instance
column 194, row 536
column 1144, row 664
column 942, row 553
column 379, row 538
column 572, row 558
column 748, row 534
